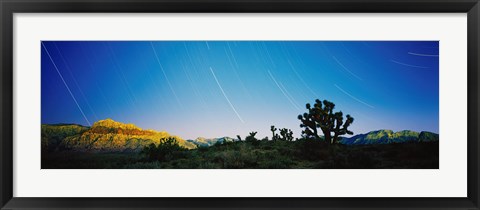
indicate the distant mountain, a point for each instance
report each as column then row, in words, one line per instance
column 111, row 136
column 105, row 135
column 388, row 136
column 203, row 142
column 53, row 135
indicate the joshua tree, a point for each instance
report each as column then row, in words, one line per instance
column 251, row 137
column 287, row 134
column 167, row 149
column 273, row 129
column 322, row 116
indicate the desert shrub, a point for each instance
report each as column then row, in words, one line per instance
column 168, row 149
column 252, row 139
column 240, row 157
column 312, row 149
column 144, row 165
column 272, row 159
column 202, row 148
column 361, row 159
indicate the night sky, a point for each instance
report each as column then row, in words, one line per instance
column 224, row 88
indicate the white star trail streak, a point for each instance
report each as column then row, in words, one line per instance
column 121, row 75
column 409, row 65
column 65, row 83
column 301, row 79
column 225, row 95
column 107, row 102
column 356, row 99
column 233, row 56
column 192, row 82
column 289, row 95
column 424, row 55
column 268, row 54
column 284, row 93
column 194, row 87
column 105, row 99
column 165, row 75
column 237, row 75
column 75, row 82
column 344, row 67
column 351, row 54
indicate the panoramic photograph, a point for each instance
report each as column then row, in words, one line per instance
column 239, row 104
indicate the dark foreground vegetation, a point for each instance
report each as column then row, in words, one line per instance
column 110, row 144
column 301, row 154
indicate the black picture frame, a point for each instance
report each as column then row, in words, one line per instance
column 9, row 7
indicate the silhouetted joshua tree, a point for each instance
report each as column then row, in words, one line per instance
column 287, row 134
column 273, row 129
column 322, row 116
column 251, row 137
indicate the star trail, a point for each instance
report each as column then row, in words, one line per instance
column 227, row 88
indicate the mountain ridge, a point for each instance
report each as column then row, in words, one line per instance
column 386, row 136
column 104, row 135
column 112, row 136
column 206, row 142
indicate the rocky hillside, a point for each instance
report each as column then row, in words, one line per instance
column 388, row 136
column 53, row 135
column 204, row 142
column 105, row 135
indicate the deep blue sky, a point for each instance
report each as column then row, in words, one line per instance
column 225, row 88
